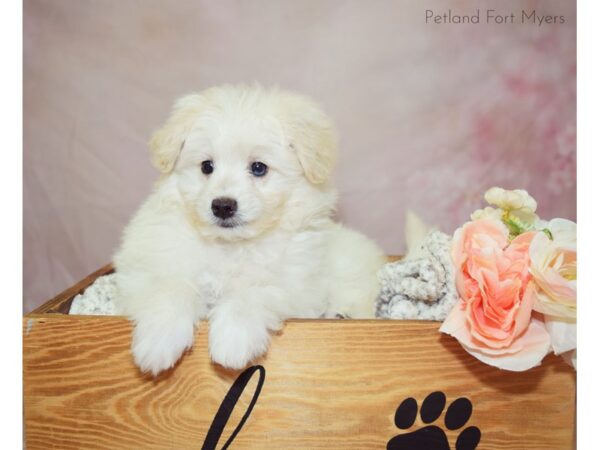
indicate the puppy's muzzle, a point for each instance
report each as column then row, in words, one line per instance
column 224, row 207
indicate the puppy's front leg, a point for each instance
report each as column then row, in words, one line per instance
column 240, row 326
column 164, row 327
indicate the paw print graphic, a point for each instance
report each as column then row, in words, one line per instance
column 432, row 437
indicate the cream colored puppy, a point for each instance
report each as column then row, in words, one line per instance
column 239, row 230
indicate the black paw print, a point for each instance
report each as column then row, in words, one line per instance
column 432, row 437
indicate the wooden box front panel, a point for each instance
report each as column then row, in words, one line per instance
column 328, row 384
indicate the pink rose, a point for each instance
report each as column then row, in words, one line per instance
column 493, row 318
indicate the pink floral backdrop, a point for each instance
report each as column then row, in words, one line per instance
column 429, row 115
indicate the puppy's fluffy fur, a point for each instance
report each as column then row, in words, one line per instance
column 280, row 256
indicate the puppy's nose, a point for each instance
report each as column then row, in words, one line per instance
column 224, row 207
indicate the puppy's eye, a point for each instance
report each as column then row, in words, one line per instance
column 258, row 169
column 207, row 167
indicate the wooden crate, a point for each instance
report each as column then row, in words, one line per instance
column 327, row 384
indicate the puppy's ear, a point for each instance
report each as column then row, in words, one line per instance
column 311, row 135
column 167, row 142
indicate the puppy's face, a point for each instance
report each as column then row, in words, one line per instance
column 236, row 173
column 239, row 154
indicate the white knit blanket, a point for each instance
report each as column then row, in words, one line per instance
column 421, row 288
column 97, row 299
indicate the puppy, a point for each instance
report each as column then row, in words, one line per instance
column 239, row 230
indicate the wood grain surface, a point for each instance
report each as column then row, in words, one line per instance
column 329, row 384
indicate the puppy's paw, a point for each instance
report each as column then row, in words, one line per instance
column 158, row 345
column 233, row 344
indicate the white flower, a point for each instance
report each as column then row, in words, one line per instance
column 554, row 269
column 516, row 200
column 516, row 209
column 487, row 213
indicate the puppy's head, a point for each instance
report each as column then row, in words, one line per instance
column 246, row 159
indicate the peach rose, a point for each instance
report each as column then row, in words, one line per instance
column 493, row 319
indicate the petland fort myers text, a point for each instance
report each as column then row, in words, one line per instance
column 492, row 16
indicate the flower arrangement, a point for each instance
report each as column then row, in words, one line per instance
column 516, row 276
